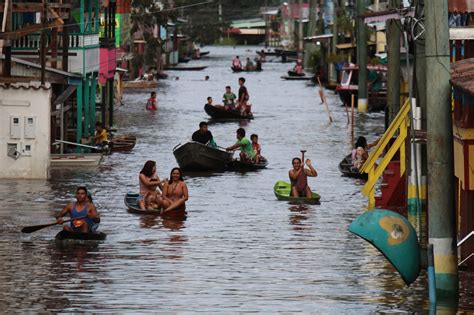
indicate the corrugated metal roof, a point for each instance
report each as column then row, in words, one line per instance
column 462, row 75
column 461, row 6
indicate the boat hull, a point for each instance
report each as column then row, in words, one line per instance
column 237, row 165
column 131, row 202
column 296, row 78
column 69, row 236
column 294, row 74
column 282, row 191
column 195, row 157
column 75, row 160
column 140, row 85
column 197, row 68
column 218, row 113
column 345, row 166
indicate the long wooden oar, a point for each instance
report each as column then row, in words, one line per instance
column 34, row 228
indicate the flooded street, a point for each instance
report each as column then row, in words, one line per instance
column 240, row 249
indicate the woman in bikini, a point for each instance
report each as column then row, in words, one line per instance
column 149, row 197
column 299, row 178
column 175, row 191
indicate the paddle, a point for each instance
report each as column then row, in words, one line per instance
column 34, row 228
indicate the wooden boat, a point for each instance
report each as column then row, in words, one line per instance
column 237, row 165
column 346, row 168
column 75, row 160
column 282, row 192
column 184, row 59
column 292, row 73
column 348, row 86
column 140, row 85
column 296, row 78
column 220, row 113
column 195, row 68
column 131, row 202
column 235, row 69
column 288, row 53
column 118, row 146
column 124, row 138
column 267, row 53
column 194, row 156
column 67, row 236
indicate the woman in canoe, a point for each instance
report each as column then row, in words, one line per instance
column 84, row 216
column 175, row 191
column 299, row 178
column 149, row 197
column 360, row 153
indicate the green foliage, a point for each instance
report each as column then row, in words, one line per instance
column 227, row 41
column 314, row 59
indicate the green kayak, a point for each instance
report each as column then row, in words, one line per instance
column 282, row 192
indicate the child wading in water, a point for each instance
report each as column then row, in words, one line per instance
column 255, row 147
column 151, row 103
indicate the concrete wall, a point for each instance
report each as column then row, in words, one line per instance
column 25, row 123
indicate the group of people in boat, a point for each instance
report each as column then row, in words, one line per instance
column 249, row 65
column 232, row 102
column 167, row 194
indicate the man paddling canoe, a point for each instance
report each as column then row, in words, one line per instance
column 247, row 153
column 299, row 178
column 84, row 216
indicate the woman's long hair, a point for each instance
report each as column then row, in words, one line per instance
column 147, row 169
column 361, row 142
column 171, row 175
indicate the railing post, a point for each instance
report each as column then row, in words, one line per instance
column 372, row 191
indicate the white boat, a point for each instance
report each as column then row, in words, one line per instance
column 73, row 160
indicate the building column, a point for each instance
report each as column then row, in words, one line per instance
column 79, row 114
column 86, row 107
column 92, row 104
column 362, row 97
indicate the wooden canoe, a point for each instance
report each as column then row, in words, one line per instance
column 78, row 236
column 296, row 78
column 195, row 68
column 122, row 146
column 140, row 85
column 131, row 202
column 347, row 169
column 235, row 69
column 220, row 113
column 294, row 74
column 282, row 191
column 75, row 160
column 194, row 156
column 237, row 165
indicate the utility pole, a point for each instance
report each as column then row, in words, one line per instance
column 300, row 28
column 442, row 231
column 332, row 78
column 393, row 43
column 291, row 23
column 362, row 100
column 7, row 48
column 220, row 22
column 310, row 47
column 43, row 42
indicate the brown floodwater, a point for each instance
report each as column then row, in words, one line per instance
column 240, row 250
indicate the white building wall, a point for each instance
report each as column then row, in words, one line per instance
column 25, row 124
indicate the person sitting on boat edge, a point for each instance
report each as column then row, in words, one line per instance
column 84, row 215
column 244, row 97
column 229, row 98
column 246, row 151
column 299, row 178
column 236, row 63
column 249, row 66
column 100, row 137
column 175, row 191
column 298, row 69
column 149, row 197
column 151, row 103
column 203, row 135
column 256, row 147
column 360, row 153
